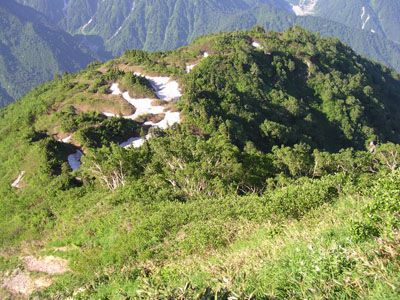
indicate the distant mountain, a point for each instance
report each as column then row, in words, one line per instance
column 32, row 50
column 380, row 17
column 167, row 24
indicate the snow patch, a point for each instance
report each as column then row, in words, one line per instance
column 17, row 181
column 256, row 45
column 189, row 68
column 109, row 115
column 115, row 89
column 165, row 88
column 170, row 119
column 86, row 25
column 373, row 31
column 143, row 106
column 135, row 142
column 74, row 160
column 116, row 33
column 123, row 22
column 305, row 7
column 364, row 21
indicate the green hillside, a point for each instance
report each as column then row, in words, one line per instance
column 268, row 188
column 33, row 51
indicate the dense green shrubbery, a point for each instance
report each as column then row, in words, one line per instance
column 71, row 121
column 138, row 86
column 113, row 130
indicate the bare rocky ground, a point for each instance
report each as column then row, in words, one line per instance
column 36, row 273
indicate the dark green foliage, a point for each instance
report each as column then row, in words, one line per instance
column 138, row 86
column 71, row 121
column 114, row 130
column 32, row 50
column 300, row 89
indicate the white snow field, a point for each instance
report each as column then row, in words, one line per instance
column 74, row 160
column 166, row 89
column 143, row 106
column 305, row 7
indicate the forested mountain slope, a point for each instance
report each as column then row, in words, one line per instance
column 380, row 17
column 32, row 51
column 168, row 24
column 218, row 170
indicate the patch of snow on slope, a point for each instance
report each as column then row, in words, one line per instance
column 165, row 88
column 74, row 160
column 135, row 142
column 143, row 106
column 189, row 68
column 86, row 25
column 123, row 22
column 364, row 22
column 305, row 7
column 256, row 45
column 373, row 31
column 115, row 89
column 109, row 115
column 170, row 119
column 116, row 33
column 17, row 181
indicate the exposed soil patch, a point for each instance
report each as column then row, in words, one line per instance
column 23, row 284
column 49, row 264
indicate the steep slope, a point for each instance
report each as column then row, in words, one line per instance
column 168, row 24
column 216, row 170
column 380, row 17
column 33, row 51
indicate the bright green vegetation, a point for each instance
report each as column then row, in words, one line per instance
column 264, row 191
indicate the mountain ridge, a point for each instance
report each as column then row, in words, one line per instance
column 247, row 164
